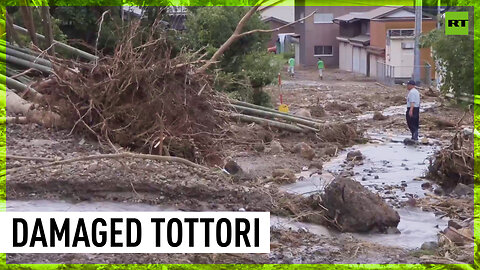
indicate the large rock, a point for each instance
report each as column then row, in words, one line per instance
column 304, row 150
column 357, row 209
column 354, row 155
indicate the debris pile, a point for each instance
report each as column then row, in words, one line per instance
column 453, row 164
column 142, row 97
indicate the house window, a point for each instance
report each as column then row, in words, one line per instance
column 323, row 50
column 323, row 18
column 401, row 33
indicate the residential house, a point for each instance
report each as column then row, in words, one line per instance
column 318, row 34
column 275, row 17
column 382, row 40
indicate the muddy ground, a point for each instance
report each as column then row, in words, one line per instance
column 339, row 97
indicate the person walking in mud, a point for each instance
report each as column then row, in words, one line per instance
column 291, row 66
column 320, row 66
column 413, row 109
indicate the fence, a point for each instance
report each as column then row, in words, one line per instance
column 389, row 74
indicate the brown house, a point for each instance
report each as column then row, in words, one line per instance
column 318, row 34
column 382, row 38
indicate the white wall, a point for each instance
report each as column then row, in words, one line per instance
column 285, row 13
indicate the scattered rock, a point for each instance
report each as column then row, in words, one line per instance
column 409, row 141
column 303, row 112
column 259, row 147
column 330, row 151
column 354, row 155
column 317, row 111
column 439, row 191
column 378, row 116
column 283, row 176
column 357, row 209
column 411, row 202
column 459, row 237
column 432, row 245
column 275, row 147
column 232, row 167
column 424, row 141
column 454, row 224
column 304, row 150
column 462, row 190
column 376, row 177
column 316, row 165
column 426, row 185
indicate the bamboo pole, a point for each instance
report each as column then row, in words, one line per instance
column 277, row 115
column 64, row 46
column 24, row 63
column 14, row 84
column 22, row 55
column 258, row 120
column 246, row 104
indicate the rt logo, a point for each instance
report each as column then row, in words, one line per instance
column 456, row 23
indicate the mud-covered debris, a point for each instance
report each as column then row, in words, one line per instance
column 259, row 147
column 462, row 190
column 317, row 111
column 431, row 245
column 378, row 116
column 459, row 237
column 409, row 141
column 356, row 209
column 304, row 150
column 426, row 185
column 303, row 112
column 316, row 165
column 354, row 155
column 232, row 167
column 275, row 147
column 425, row 141
column 283, row 176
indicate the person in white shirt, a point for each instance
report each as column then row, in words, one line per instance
column 413, row 109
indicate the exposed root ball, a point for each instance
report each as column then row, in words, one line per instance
column 143, row 97
column 344, row 134
column 453, row 164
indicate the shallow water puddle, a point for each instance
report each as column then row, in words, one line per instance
column 392, row 170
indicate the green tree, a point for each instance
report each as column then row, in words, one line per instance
column 210, row 27
column 454, row 55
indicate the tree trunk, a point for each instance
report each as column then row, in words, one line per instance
column 47, row 29
column 16, row 104
column 10, row 31
column 29, row 24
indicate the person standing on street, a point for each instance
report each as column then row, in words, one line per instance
column 413, row 109
column 291, row 66
column 320, row 66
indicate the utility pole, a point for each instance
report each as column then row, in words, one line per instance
column 418, row 31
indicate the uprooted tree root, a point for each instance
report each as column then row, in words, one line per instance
column 143, row 97
column 453, row 164
column 343, row 133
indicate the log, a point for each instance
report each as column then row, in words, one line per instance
column 16, row 104
column 246, row 104
column 25, row 63
column 277, row 115
column 64, row 46
column 22, row 55
column 262, row 121
column 14, row 84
